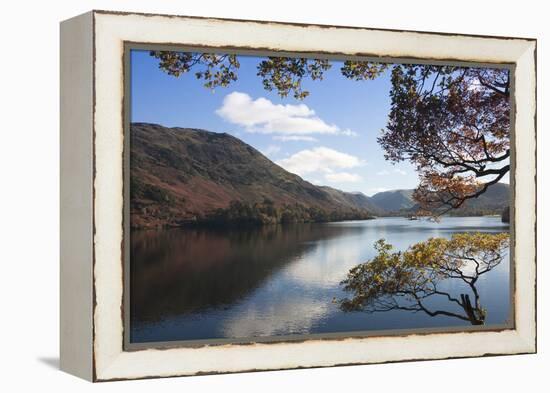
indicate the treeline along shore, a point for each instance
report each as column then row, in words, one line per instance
column 189, row 177
column 243, row 214
column 266, row 213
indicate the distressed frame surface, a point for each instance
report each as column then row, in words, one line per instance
column 127, row 72
column 94, row 349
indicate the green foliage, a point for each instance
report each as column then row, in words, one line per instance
column 215, row 70
column 282, row 74
column 363, row 70
column 285, row 74
column 405, row 280
column 265, row 213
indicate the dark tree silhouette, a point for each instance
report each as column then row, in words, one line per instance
column 409, row 280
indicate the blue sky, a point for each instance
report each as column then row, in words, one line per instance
column 329, row 138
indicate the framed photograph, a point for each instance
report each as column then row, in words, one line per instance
column 248, row 195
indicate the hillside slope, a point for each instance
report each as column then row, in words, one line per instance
column 179, row 174
column 356, row 200
column 493, row 201
column 395, row 200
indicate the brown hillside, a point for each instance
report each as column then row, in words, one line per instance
column 178, row 174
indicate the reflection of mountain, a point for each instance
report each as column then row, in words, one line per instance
column 309, row 286
column 178, row 272
column 189, row 284
column 178, row 174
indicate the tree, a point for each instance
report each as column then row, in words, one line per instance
column 410, row 280
column 451, row 122
column 285, row 74
column 215, row 70
column 282, row 74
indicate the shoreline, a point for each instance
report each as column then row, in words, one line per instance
column 250, row 226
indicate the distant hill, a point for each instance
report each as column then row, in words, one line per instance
column 180, row 174
column 354, row 200
column 497, row 196
column 395, row 200
column 493, row 201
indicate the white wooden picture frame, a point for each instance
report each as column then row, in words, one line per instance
column 92, row 194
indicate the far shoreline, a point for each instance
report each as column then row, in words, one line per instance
column 252, row 226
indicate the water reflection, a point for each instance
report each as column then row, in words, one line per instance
column 187, row 271
column 408, row 280
column 277, row 280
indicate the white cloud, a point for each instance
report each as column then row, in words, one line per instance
column 293, row 138
column 320, row 159
column 376, row 190
column 343, row 177
column 385, row 172
column 271, row 150
column 263, row 116
column 348, row 132
column 290, row 314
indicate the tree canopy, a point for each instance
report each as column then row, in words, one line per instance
column 282, row 74
column 451, row 122
column 266, row 213
column 409, row 280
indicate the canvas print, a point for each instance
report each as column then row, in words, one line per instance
column 279, row 198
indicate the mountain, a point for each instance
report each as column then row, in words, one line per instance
column 497, row 196
column 492, row 201
column 354, row 200
column 180, row 175
column 395, row 200
column 183, row 175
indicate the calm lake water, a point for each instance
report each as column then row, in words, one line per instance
column 189, row 284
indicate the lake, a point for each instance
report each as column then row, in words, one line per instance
column 192, row 284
